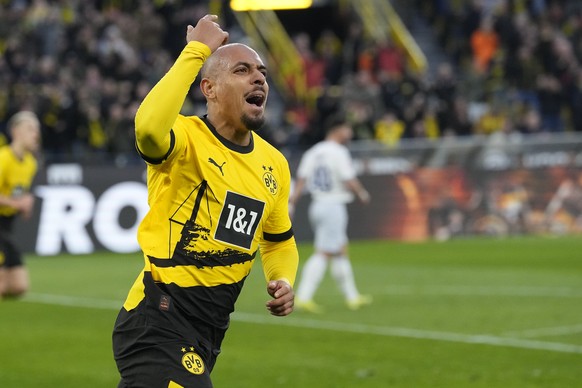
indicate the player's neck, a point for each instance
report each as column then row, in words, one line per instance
column 335, row 139
column 241, row 137
column 18, row 149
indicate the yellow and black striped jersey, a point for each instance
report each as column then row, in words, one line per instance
column 212, row 203
column 16, row 176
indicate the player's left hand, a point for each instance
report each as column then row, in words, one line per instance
column 25, row 205
column 283, row 297
column 364, row 196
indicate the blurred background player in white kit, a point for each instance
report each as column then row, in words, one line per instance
column 326, row 170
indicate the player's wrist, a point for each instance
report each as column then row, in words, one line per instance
column 285, row 280
column 363, row 194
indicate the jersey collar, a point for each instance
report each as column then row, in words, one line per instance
column 227, row 143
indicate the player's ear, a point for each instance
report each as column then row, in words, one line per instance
column 207, row 88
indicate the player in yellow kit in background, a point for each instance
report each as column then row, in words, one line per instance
column 217, row 193
column 18, row 166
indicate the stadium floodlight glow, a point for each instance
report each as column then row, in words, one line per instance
column 255, row 5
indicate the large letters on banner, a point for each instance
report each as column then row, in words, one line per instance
column 68, row 210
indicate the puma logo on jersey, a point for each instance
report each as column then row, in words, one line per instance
column 210, row 160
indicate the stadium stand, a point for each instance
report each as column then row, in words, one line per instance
column 493, row 66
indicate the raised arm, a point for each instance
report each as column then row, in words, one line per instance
column 160, row 108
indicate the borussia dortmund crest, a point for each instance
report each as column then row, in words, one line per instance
column 269, row 180
column 192, row 362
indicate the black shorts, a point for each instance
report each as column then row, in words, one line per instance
column 155, row 348
column 10, row 255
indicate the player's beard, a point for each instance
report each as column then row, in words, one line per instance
column 252, row 123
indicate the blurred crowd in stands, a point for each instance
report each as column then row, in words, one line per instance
column 85, row 66
column 522, row 61
column 515, row 66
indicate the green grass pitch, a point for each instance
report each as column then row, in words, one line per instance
column 465, row 313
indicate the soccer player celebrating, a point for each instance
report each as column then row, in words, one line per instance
column 217, row 193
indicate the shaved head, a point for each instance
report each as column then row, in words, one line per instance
column 234, row 83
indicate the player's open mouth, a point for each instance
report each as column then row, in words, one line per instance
column 255, row 98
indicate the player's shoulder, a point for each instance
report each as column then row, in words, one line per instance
column 192, row 129
column 5, row 151
column 338, row 148
column 188, row 123
column 316, row 150
column 327, row 146
column 266, row 147
column 30, row 158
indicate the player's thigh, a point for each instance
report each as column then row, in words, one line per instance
column 165, row 365
column 10, row 255
column 329, row 215
column 329, row 223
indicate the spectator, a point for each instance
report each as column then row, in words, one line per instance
column 328, row 49
column 484, row 45
column 414, row 115
column 459, row 123
column 444, row 91
column 389, row 58
column 492, row 121
column 361, row 118
column 529, row 121
column 314, row 66
column 549, row 93
column 391, row 96
column 352, row 47
column 575, row 102
column 389, row 129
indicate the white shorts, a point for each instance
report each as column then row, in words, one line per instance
column 329, row 221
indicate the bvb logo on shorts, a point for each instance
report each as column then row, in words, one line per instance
column 269, row 180
column 192, row 362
